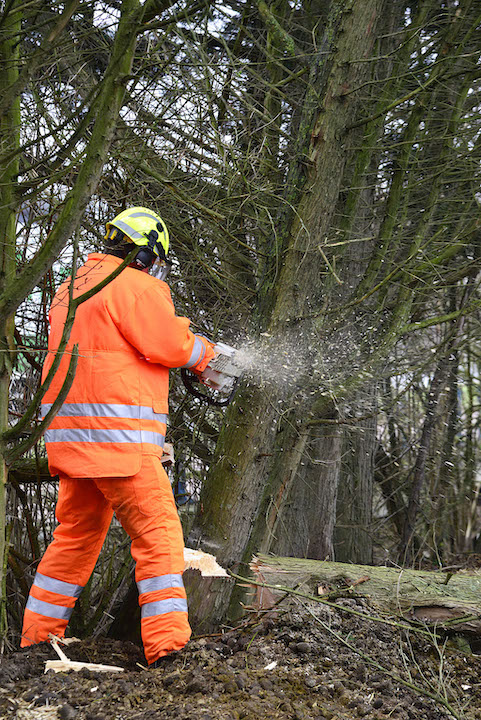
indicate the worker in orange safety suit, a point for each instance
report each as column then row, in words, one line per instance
column 105, row 442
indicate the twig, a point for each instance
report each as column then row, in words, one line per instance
column 460, row 620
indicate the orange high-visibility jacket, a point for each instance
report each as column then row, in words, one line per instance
column 128, row 337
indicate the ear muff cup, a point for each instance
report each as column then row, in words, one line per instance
column 144, row 258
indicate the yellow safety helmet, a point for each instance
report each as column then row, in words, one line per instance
column 144, row 228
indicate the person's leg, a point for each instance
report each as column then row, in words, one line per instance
column 84, row 517
column 145, row 506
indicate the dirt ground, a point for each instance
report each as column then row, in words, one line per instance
column 306, row 663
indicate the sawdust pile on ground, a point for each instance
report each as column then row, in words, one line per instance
column 299, row 666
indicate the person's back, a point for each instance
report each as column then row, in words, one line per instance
column 128, row 336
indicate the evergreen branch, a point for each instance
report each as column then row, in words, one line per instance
column 34, row 61
column 281, row 37
column 441, row 319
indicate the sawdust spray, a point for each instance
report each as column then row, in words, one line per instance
column 297, row 360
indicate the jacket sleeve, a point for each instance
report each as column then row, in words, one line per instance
column 161, row 336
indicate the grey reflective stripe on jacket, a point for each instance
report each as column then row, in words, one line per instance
column 48, row 609
column 161, row 582
column 104, row 436
column 57, row 586
column 162, row 607
column 198, row 352
column 129, row 412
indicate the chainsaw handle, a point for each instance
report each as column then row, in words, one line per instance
column 189, row 379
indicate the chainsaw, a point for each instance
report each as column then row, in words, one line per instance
column 221, row 375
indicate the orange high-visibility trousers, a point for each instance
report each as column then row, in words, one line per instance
column 144, row 504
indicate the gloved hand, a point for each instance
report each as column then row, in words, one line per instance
column 208, row 355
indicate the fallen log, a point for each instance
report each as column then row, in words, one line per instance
column 450, row 601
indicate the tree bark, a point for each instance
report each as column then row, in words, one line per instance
column 305, row 525
column 9, row 140
column 353, row 531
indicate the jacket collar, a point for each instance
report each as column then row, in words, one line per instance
column 104, row 257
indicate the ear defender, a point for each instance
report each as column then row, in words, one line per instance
column 152, row 238
column 144, row 258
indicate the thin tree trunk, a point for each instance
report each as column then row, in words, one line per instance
column 9, row 139
column 353, row 532
column 305, row 525
column 470, row 486
column 406, row 549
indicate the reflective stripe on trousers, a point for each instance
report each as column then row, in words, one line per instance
column 58, row 587
column 162, row 607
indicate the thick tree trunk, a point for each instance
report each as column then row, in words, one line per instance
column 268, row 433
column 230, row 497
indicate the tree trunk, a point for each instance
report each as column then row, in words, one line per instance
column 267, row 432
column 353, row 532
column 406, row 550
column 230, row 496
column 436, row 598
column 305, row 526
column 9, row 140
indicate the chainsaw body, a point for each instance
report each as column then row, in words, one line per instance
column 221, row 375
column 222, row 372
